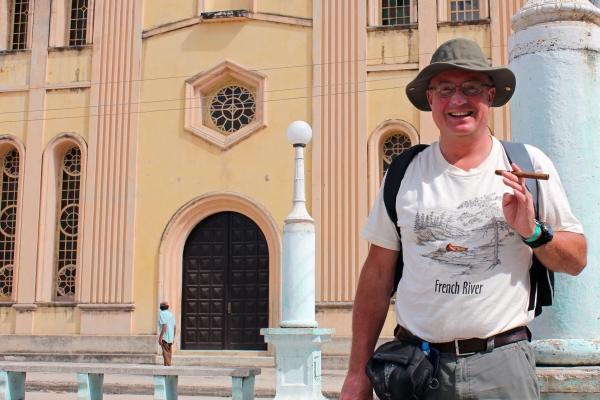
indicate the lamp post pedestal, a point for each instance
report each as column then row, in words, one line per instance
column 298, row 360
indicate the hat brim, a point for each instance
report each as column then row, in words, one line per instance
column 503, row 78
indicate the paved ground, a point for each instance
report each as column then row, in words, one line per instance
column 50, row 386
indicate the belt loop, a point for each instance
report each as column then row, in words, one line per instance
column 490, row 344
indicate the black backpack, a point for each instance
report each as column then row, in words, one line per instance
column 541, row 278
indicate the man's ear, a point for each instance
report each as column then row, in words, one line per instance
column 491, row 95
column 429, row 97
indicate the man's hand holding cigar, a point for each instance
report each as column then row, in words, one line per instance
column 518, row 207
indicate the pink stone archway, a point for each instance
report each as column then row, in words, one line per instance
column 182, row 224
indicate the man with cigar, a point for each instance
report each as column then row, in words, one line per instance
column 467, row 239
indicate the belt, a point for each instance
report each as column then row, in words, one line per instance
column 466, row 347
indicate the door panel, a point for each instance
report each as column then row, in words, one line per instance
column 225, row 285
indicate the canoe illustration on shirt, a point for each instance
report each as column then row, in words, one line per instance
column 459, row 249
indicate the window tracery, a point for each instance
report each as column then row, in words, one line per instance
column 232, row 108
column 68, row 223
column 78, row 22
column 464, row 10
column 395, row 12
column 20, row 24
column 8, row 220
column 391, row 147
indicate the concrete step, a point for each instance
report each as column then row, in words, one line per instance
column 335, row 362
column 221, row 361
column 82, row 357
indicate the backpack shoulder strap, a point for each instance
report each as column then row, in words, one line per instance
column 393, row 179
column 541, row 278
column 518, row 154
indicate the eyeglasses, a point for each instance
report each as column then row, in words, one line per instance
column 469, row 88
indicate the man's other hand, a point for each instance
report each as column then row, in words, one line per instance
column 357, row 387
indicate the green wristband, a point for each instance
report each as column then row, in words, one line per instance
column 536, row 234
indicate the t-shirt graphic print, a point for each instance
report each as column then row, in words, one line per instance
column 474, row 232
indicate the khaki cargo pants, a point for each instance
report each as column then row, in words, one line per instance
column 507, row 372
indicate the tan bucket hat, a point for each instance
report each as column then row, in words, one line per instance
column 463, row 54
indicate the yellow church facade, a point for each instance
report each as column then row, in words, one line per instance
column 145, row 159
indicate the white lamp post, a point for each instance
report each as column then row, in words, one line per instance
column 298, row 340
column 298, row 275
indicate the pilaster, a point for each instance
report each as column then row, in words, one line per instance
column 108, row 230
column 339, row 160
column 428, row 43
column 32, row 175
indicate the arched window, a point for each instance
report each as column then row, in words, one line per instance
column 388, row 140
column 9, row 187
column 391, row 147
column 68, row 224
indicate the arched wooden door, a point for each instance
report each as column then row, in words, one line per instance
column 225, row 296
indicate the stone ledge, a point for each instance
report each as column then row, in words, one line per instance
column 81, row 358
column 79, row 344
column 106, row 307
column 20, row 307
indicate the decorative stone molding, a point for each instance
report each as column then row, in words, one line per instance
column 231, row 15
column 564, row 36
column 543, row 11
column 106, row 307
column 24, row 307
column 56, row 304
column 185, row 220
column 200, row 87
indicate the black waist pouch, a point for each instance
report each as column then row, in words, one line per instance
column 400, row 370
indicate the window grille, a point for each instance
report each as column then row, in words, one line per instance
column 395, row 12
column 8, row 220
column 464, row 10
column 232, row 108
column 78, row 24
column 68, row 223
column 20, row 24
column 394, row 145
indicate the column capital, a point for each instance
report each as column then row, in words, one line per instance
column 542, row 11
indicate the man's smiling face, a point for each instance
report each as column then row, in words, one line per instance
column 459, row 114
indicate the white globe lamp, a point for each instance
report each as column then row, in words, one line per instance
column 299, row 133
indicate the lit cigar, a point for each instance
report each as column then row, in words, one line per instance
column 530, row 175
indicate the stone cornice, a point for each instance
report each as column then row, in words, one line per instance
column 544, row 11
column 106, row 307
column 232, row 16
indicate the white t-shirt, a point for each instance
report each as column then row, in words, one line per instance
column 466, row 271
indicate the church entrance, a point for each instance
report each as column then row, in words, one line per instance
column 225, row 296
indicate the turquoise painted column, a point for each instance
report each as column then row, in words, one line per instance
column 12, row 385
column 90, row 386
column 555, row 54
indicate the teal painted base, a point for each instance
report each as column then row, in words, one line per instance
column 165, row 387
column 12, row 385
column 567, row 352
column 242, row 388
column 89, row 386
